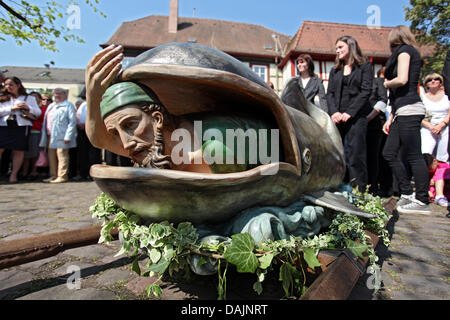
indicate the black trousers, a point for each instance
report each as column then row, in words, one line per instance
column 113, row 159
column 87, row 154
column 404, row 136
column 353, row 134
column 374, row 139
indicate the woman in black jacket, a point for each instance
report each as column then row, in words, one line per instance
column 309, row 83
column 349, row 89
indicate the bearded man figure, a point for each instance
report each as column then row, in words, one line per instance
column 130, row 120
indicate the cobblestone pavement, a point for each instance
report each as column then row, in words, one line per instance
column 416, row 265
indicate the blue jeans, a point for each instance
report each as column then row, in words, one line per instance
column 404, row 134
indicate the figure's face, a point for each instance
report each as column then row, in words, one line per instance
column 342, row 50
column 302, row 65
column 134, row 128
column 12, row 87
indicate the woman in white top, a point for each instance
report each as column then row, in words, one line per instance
column 434, row 131
column 16, row 110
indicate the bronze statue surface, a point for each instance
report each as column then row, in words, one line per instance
column 191, row 85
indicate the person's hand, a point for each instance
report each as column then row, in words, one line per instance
column 23, row 106
column 345, row 117
column 385, row 83
column 436, row 130
column 102, row 70
column 387, row 126
column 336, row 117
column 20, row 106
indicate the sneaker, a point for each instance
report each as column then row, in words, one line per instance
column 405, row 199
column 441, row 201
column 415, row 206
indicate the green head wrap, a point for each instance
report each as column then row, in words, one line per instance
column 125, row 93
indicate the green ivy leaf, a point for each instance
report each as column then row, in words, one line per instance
column 155, row 255
column 265, row 261
column 160, row 267
column 310, row 258
column 136, row 267
column 358, row 249
column 257, row 286
column 240, row 253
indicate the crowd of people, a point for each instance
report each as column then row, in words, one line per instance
column 42, row 135
column 392, row 135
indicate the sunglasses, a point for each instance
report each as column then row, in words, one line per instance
column 435, row 79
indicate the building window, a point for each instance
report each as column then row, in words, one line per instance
column 262, row 71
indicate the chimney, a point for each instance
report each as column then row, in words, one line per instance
column 173, row 17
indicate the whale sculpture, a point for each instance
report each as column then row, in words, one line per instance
column 191, row 80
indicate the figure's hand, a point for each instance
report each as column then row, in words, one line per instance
column 336, row 117
column 102, row 70
column 345, row 117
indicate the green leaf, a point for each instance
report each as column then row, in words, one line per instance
column 286, row 278
column 160, row 267
column 154, row 289
column 240, row 253
column 310, row 258
column 155, row 255
column 358, row 249
column 136, row 267
column 257, row 286
column 265, row 261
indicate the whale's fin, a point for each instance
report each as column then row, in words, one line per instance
column 335, row 202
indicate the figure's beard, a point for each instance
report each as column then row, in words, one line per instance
column 155, row 157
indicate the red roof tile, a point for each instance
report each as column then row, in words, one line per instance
column 232, row 37
column 320, row 37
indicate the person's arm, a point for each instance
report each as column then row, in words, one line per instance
column 322, row 97
column 363, row 97
column 100, row 73
column 72, row 126
column 336, row 116
column 34, row 108
column 5, row 109
column 402, row 72
column 388, row 123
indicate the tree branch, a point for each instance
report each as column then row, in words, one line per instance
column 18, row 15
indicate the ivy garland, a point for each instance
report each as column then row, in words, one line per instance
column 170, row 247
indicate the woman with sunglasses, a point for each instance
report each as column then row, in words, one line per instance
column 404, row 122
column 434, row 132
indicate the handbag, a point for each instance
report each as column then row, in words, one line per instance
column 42, row 160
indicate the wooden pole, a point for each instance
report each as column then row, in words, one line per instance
column 20, row 251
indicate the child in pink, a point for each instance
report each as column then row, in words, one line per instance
column 440, row 180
